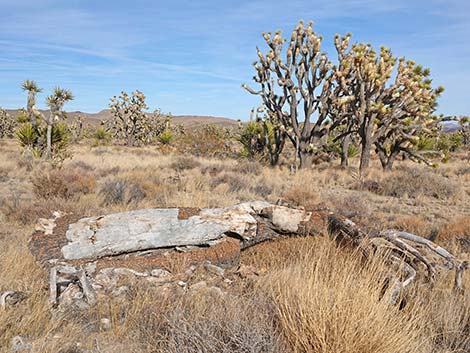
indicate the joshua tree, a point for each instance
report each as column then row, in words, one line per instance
column 33, row 89
column 130, row 121
column 274, row 134
column 301, row 84
column 387, row 115
column 56, row 103
column 7, row 124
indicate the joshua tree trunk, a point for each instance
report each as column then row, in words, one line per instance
column 305, row 156
column 49, row 141
column 365, row 154
column 344, row 151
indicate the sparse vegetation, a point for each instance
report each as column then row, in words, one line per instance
column 327, row 293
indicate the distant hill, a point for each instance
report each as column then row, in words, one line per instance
column 188, row 121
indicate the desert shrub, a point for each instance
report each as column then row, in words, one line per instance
column 463, row 170
column 301, row 196
column 82, row 165
column 26, row 135
column 207, row 141
column 184, row 163
column 113, row 192
column 166, row 137
column 353, row 206
column 247, row 167
column 457, row 228
column 63, row 183
column 252, row 139
column 369, row 185
column 109, row 171
column 235, row 182
column 416, row 181
column 120, row 191
column 213, row 169
column 416, row 225
column 101, row 136
column 135, row 194
column 202, row 322
column 262, row 190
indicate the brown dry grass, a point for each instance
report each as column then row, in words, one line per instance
column 311, row 297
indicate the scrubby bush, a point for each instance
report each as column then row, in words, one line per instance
column 207, row 141
column 414, row 182
column 184, row 163
column 251, row 138
column 121, row 191
column 166, row 137
column 63, row 183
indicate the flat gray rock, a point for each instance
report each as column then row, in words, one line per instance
column 125, row 232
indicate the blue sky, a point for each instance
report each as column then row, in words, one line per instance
column 191, row 57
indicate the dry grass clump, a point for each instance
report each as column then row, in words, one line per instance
column 235, row 182
column 329, row 301
column 415, row 181
column 184, row 163
column 207, row 322
column 301, row 196
column 457, row 228
column 121, row 192
column 247, row 167
column 417, row 225
column 445, row 318
column 63, row 183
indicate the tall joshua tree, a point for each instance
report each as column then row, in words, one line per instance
column 130, row 121
column 56, row 103
column 296, row 87
column 32, row 88
column 409, row 103
column 383, row 111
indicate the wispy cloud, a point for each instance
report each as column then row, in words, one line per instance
column 191, row 57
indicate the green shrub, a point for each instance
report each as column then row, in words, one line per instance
column 166, row 137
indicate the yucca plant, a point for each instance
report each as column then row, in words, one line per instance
column 27, row 135
column 33, row 89
column 101, row 136
column 56, row 103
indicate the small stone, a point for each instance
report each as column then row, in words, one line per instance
column 160, row 272
column 181, row 284
column 125, row 271
column 247, row 271
column 216, row 291
column 120, row 291
column 216, row 270
column 10, row 298
column 199, row 285
column 19, row 344
column 90, row 268
column 105, row 324
column 189, row 272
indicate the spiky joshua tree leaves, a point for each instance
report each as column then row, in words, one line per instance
column 296, row 89
column 55, row 103
column 312, row 99
column 7, row 124
column 386, row 114
column 130, row 122
column 33, row 89
column 42, row 134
